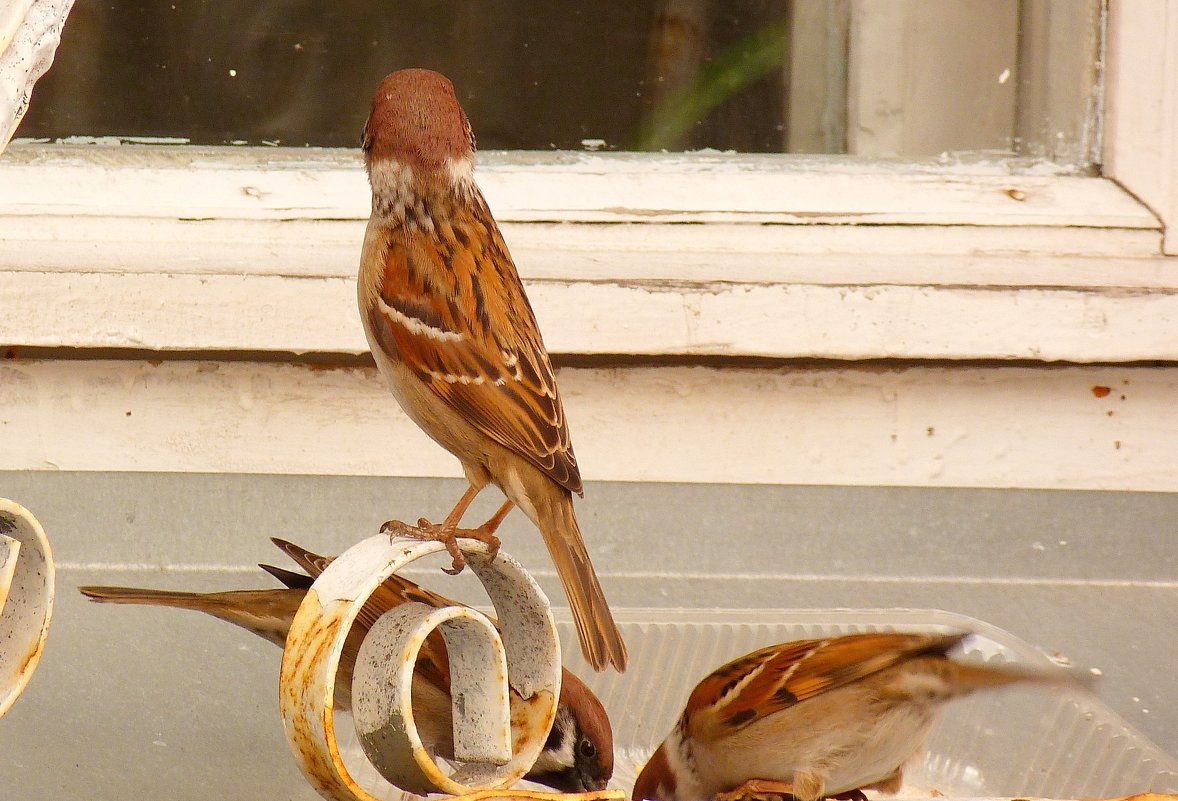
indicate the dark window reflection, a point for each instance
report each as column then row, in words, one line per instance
column 532, row 73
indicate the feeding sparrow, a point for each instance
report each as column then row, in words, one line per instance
column 452, row 332
column 815, row 718
column 578, row 756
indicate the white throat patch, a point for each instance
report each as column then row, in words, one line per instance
column 555, row 760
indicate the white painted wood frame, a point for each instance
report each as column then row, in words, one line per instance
column 255, row 251
column 1141, row 112
column 1078, row 427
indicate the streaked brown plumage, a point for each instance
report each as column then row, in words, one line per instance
column 452, row 332
column 578, row 756
column 816, row 718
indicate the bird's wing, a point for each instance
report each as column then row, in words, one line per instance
column 451, row 308
column 433, row 663
column 395, row 589
column 292, row 579
column 768, row 681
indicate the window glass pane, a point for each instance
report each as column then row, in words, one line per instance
column 870, row 77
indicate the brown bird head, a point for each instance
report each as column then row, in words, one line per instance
column 579, row 754
column 416, row 121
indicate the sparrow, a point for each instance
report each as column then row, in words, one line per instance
column 578, row 755
column 815, row 718
column 453, row 334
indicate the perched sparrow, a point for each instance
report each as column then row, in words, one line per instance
column 453, row 334
column 578, row 756
column 815, row 718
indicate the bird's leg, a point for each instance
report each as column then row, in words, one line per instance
column 486, row 532
column 445, row 532
column 448, row 531
column 758, row 790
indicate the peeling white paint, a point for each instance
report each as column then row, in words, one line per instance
column 917, row 426
column 271, row 313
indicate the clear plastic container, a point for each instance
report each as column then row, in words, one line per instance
column 1033, row 741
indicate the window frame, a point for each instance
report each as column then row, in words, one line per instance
column 671, row 255
column 1141, row 110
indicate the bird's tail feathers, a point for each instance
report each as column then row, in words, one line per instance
column 145, row 597
column 968, row 677
column 601, row 642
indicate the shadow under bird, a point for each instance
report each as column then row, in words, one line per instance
column 453, row 334
column 578, row 755
column 817, row 718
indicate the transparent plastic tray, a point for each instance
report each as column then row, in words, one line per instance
column 1043, row 742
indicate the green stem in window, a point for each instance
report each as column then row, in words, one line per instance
column 732, row 70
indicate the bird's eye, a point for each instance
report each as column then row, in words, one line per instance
column 586, row 749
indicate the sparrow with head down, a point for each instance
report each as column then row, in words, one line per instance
column 578, row 755
column 816, row 718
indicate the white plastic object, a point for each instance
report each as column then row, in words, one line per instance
column 528, row 644
column 26, row 598
column 30, row 31
column 1017, row 743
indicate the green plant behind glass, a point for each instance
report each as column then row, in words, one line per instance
column 736, row 67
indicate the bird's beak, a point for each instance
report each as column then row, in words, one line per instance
column 569, row 780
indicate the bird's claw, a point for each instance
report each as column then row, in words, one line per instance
column 397, row 528
column 486, row 538
column 448, row 535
